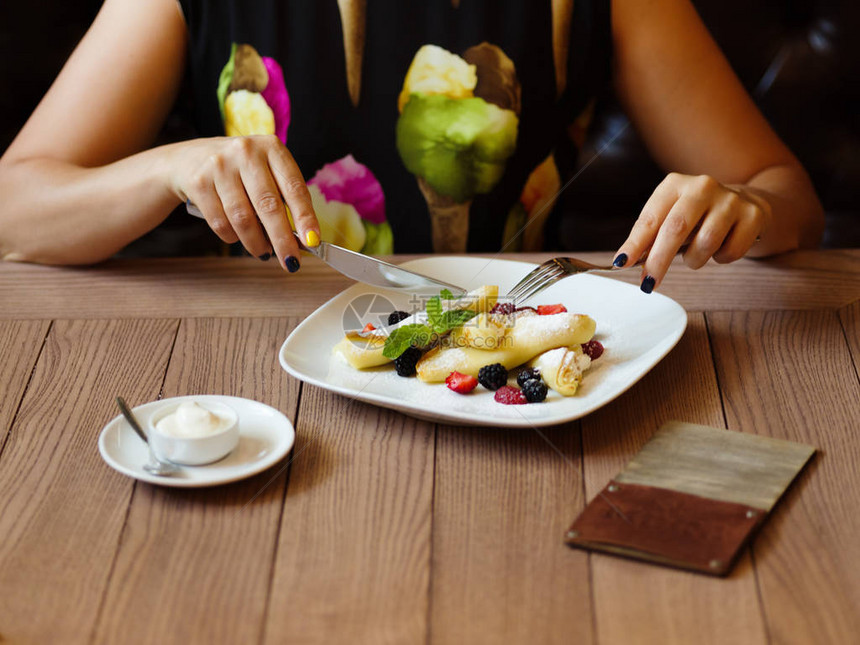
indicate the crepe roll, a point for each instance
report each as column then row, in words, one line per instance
column 484, row 331
column 562, row 368
column 481, row 299
column 529, row 337
column 362, row 350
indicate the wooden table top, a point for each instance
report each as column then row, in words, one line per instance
column 381, row 528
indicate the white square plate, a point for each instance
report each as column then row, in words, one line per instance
column 636, row 329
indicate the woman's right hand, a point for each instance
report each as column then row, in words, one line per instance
column 244, row 186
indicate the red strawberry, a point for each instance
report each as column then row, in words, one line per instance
column 461, row 383
column 548, row 310
column 594, row 349
column 510, row 395
column 368, row 327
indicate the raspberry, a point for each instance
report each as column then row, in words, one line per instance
column 548, row 310
column 594, row 349
column 461, row 383
column 493, row 376
column 527, row 374
column 405, row 363
column 510, row 395
column 396, row 316
column 534, row 390
column 503, row 308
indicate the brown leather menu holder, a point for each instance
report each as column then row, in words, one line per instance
column 691, row 498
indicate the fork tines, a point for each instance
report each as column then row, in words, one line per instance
column 539, row 279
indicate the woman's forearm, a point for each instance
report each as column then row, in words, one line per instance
column 796, row 216
column 55, row 212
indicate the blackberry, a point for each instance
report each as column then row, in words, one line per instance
column 528, row 374
column 396, row 316
column 594, row 349
column 503, row 308
column 405, row 363
column 493, row 376
column 535, row 390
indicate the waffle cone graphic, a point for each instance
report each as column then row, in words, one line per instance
column 449, row 219
column 352, row 16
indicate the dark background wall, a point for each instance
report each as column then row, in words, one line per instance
column 36, row 37
column 800, row 60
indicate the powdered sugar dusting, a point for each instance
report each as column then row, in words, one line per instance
column 546, row 327
column 450, row 359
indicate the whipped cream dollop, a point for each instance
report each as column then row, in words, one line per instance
column 191, row 420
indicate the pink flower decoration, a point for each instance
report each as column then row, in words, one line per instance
column 351, row 182
column 276, row 96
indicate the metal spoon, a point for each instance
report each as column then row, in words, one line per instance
column 156, row 466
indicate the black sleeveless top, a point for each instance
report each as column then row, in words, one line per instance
column 459, row 126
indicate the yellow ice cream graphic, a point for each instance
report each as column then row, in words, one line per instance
column 247, row 113
column 437, row 71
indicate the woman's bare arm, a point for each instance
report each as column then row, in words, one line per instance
column 78, row 182
column 734, row 180
column 67, row 202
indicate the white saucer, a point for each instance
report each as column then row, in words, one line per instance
column 265, row 437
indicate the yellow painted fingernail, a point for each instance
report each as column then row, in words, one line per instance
column 312, row 238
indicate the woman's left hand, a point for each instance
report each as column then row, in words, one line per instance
column 714, row 220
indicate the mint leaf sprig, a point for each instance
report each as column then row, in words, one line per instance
column 438, row 324
column 402, row 338
column 444, row 321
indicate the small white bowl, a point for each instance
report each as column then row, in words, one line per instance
column 194, row 451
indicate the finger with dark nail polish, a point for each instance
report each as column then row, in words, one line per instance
column 648, row 284
column 264, row 257
column 620, row 260
column 292, row 263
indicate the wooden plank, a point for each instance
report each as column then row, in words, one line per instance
column 62, row 508
column 186, row 288
column 353, row 560
column 642, row 603
column 20, row 344
column 789, row 375
column 219, row 287
column 501, row 572
column 849, row 316
column 194, row 565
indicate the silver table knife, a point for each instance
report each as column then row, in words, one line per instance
column 365, row 268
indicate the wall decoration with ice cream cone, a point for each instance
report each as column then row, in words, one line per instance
column 252, row 95
column 353, row 17
column 347, row 198
column 457, row 128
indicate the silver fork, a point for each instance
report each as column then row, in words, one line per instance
column 551, row 271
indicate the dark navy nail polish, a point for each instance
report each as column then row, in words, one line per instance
column 620, row 261
column 292, row 263
column 264, row 257
column 648, row 284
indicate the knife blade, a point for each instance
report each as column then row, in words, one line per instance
column 365, row 268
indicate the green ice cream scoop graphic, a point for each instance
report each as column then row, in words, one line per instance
column 457, row 128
